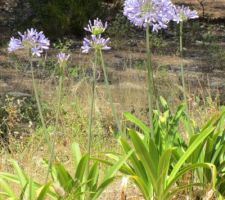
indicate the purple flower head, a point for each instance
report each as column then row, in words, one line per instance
column 97, row 28
column 183, row 13
column 96, row 42
column 155, row 13
column 63, row 58
column 31, row 40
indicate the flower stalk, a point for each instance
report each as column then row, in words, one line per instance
column 92, row 103
column 182, row 64
column 183, row 78
column 39, row 103
column 150, row 81
column 60, row 92
column 181, row 15
column 99, row 43
column 50, row 146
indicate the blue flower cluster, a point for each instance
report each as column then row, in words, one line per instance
column 96, row 41
column 183, row 13
column 97, row 28
column 155, row 13
column 31, row 40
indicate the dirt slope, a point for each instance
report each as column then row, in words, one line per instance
column 213, row 8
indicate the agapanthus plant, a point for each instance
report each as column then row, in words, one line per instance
column 34, row 43
column 154, row 13
column 31, row 40
column 62, row 59
column 145, row 14
column 97, row 43
column 181, row 15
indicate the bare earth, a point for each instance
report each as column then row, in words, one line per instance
column 213, row 8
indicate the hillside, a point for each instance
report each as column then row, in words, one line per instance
column 212, row 8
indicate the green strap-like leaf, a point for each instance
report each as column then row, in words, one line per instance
column 76, row 154
column 62, row 176
column 101, row 188
column 138, row 123
column 137, row 166
column 164, row 164
column 43, row 191
column 113, row 170
column 31, row 188
column 23, row 192
column 93, row 176
column 202, row 136
column 145, row 188
column 7, row 189
column 110, row 174
column 9, row 177
column 145, row 157
column 189, row 168
column 22, row 177
column 81, row 168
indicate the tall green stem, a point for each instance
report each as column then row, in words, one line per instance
column 183, row 78
column 182, row 65
column 40, row 112
column 37, row 97
column 92, row 105
column 109, row 93
column 150, row 81
column 39, row 105
column 60, row 89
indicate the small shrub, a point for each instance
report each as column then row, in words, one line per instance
column 16, row 113
column 58, row 17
